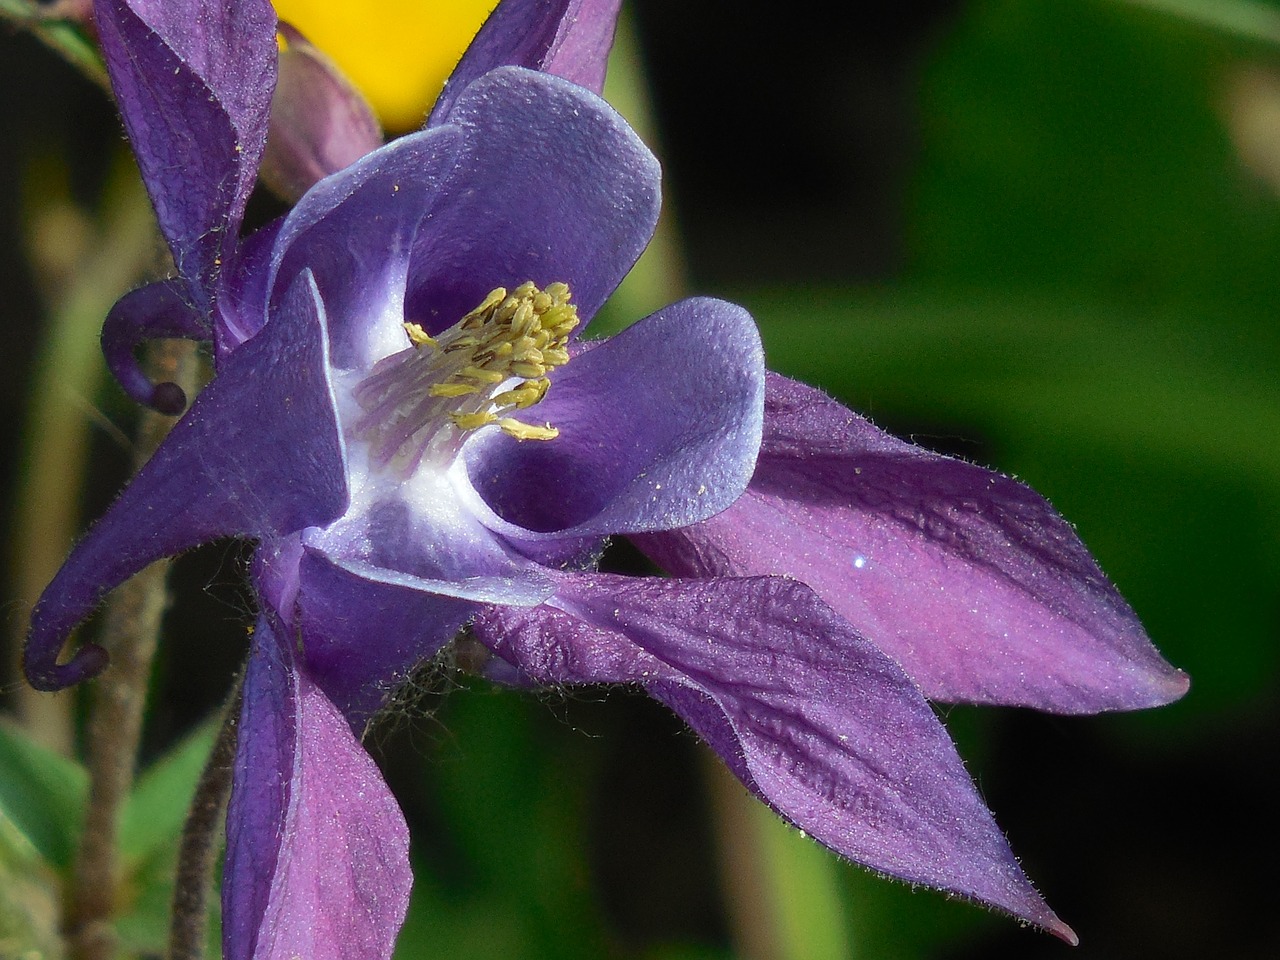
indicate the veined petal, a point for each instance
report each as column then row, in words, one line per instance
column 361, row 637
column 149, row 313
column 811, row 717
column 259, row 453
column 659, row 427
column 567, row 38
column 969, row 579
column 317, row 849
column 354, row 231
column 231, row 47
column 193, row 81
column 554, row 186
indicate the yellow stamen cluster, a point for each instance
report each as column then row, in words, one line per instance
column 448, row 380
column 525, row 334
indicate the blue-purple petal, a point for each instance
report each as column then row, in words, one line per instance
column 354, row 231
column 659, row 428
column 554, row 186
column 258, row 454
column 567, row 38
column 317, row 849
column 811, row 717
column 361, row 638
column 193, row 82
column 969, row 579
column 420, row 537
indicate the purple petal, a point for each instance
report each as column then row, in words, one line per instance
column 362, row 638
column 317, row 850
column 258, row 453
column 811, row 717
column 968, row 579
column 567, row 38
column 242, row 305
column 149, row 313
column 659, row 427
column 580, row 51
column 193, row 81
column 420, row 535
column 354, row 231
column 554, row 187
column 320, row 123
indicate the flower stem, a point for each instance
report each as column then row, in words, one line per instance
column 781, row 889
column 190, row 921
column 130, row 631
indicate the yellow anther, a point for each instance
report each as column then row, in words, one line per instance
column 483, row 376
column 528, row 369
column 527, row 431
column 472, row 421
column 493, row 362
column 452, row 389
column 419, row 337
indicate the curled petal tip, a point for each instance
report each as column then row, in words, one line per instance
column 153, row 312
column 87, row 662
column 168, row 398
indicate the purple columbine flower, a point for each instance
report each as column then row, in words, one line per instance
column 404, row 419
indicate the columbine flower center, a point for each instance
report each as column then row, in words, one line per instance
column 492, row 362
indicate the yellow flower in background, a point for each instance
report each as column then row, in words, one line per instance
column 397, row 52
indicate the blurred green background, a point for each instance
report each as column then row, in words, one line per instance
column 1041, row 236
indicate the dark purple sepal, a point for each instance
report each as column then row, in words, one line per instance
column 567, row 38
column 659, row 428
column 813, row 719
column 361, row 638
column 258, row 454
column 232, row 48
column 554, row 186
column 969, row 579
column 317, row 849
column 193, row 83
column 149, row 313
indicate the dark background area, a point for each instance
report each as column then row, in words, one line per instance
column 1022, row 233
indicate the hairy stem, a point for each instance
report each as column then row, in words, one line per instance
column 190, row 920
column 130, row 630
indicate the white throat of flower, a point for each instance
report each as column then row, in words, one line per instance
column 425, row 399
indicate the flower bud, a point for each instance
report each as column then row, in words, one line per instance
column 320, row 122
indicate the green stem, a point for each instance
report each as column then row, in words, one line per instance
column 190, row 924
column 782, row 890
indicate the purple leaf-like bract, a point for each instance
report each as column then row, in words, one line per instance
column 827, row 578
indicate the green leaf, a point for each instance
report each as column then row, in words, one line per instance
column 43, row 794
column 29, row 898
column 157, row 809
column 1241, row 18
